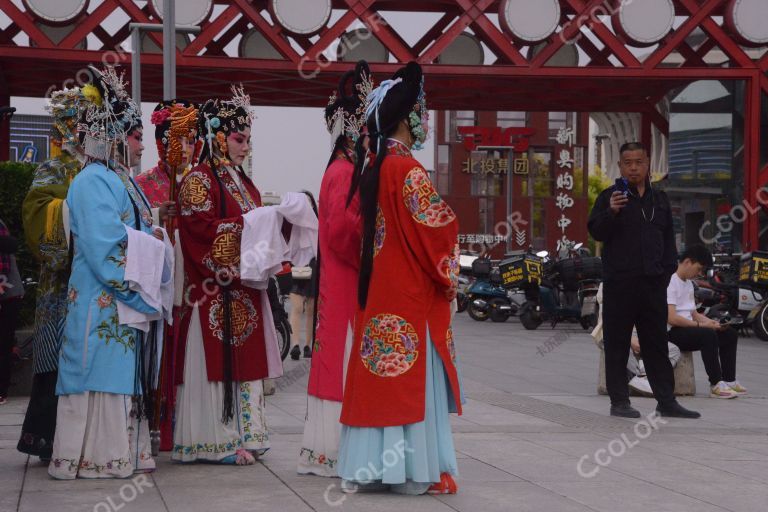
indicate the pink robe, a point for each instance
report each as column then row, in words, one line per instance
column 156, row 185
column 339, row 241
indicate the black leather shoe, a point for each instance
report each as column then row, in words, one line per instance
column 307, row 352
column 624, row 411
column 675, row 410
column 295, row 353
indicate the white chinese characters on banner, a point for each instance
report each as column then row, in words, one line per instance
column 481, row 238
column 563, row 201
column 564, row 243
column 565, row 183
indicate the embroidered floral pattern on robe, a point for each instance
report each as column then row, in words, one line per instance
column 423, row 201
column 381, row 232
column 389, row 346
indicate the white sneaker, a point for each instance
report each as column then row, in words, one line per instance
column 721, row 390
column 737, row 388
column 641, row 386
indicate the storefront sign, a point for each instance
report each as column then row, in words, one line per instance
column 480, row 238
column 564, row 183
column 499, row 166
column 518, row 139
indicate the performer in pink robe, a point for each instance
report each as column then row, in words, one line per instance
column 339, row 254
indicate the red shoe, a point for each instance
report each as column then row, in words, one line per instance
column 445, row 486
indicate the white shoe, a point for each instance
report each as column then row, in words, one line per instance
column 641, row 386
column 737, row 388
column 721, row 390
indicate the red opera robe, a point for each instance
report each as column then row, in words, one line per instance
column 415, row 264
column 339, row 240
column 210, row 239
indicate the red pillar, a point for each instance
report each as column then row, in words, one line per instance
column 5, row 130
column 645, row 129
column 751, row 160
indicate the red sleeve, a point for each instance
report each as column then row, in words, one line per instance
column 343, row 224
column 430, row 228
column 211, row 244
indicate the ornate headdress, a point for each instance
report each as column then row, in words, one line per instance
column 400, row 97
column 111, row 115
column 345, row 114
column 219, row 118
column 173, row 120
column 67, row 107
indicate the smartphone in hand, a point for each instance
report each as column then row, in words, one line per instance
column 622, row 185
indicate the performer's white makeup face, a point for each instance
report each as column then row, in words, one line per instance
column 239, row 146
column 187, row 150
column 135, row 147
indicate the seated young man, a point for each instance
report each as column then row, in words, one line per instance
column 690, row 330
column 638, row 380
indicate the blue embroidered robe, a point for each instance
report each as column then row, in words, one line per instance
column 97, row 353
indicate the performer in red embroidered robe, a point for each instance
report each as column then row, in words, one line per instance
column 339, row 241
column 175, row 135
column 402, row 378
column 228, row 338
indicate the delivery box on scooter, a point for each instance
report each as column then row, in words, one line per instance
column 753, row 269
column 520, row 270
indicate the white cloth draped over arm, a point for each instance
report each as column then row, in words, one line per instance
column 149, row 270
column 262, row 246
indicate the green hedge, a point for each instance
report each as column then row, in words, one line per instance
column 15, row 179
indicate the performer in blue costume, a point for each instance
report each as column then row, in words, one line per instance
column 101, row 426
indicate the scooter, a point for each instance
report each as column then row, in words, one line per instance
column 487, row 298
column 568, row 292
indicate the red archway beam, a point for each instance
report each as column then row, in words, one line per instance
column 674, row 39
column 715, row 31
column 271, row 32
column 25, row 21
column 211, row 29
column 87, row 24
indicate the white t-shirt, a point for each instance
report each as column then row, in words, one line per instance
column 680, row 295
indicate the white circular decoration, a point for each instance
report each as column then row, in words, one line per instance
column 748, row 20
column 566, row 57
column 148, row 45
column 188, row 12
column 360, row 44
column 57, row 34
column 464, row 50
column 56, row 11
column 301, row 17
column 644, row 22
column 529, row 21
column 254, row 45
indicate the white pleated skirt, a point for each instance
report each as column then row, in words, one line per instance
column 97, row 436
column 199, row 434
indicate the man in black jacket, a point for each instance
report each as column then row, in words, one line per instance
column 639, row 257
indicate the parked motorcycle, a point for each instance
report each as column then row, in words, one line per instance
column 487, row 298
column 753, row 278
column 568, row 292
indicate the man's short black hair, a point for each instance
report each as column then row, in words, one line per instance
column 632, row 146
column 697, row 254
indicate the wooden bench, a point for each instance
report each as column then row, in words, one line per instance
column 685, row 381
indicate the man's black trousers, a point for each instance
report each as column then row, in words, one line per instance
column 642, row 303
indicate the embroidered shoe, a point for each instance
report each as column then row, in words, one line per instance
column 446, row 485
column 721, row 390
column 737, row 388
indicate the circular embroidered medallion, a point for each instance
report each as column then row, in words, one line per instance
column 194, row 193
column 244, row 317
column 225, row 250
column 381, row 232
column 423, row 201
column 389, row 346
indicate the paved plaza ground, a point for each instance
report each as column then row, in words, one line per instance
column 531, row 434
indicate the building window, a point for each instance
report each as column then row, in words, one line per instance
column 443, row 169
column 460, row 118
column 484, row 183
column 509, row 119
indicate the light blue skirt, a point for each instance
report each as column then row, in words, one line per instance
column 413, row 453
